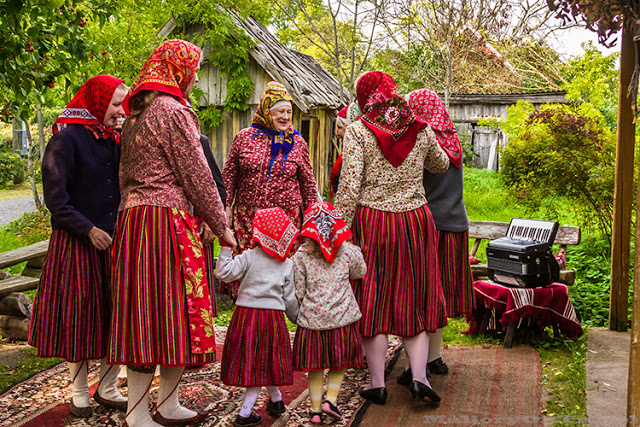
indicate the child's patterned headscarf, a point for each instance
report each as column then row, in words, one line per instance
column 169, row 69
column 275, row 93
column 388, row 116
column 275, row 232
column 323, row 223
column 89, row 106
column 427, row 105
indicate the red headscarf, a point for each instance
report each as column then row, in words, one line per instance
column 427, row 105
column 275, row 232
column 342, row 115
column 89, row 105
column 323, row 223
column 169, row 69
column 388, row 115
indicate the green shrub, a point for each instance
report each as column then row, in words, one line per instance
column 10, row 165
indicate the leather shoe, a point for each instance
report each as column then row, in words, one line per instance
column 252, row 420
column 376, row 395
column 110, row 404
column 405, row 378
column 419, row 391
column 275, row 408
column 81, row 412
column 196, row 419
column 438, row 366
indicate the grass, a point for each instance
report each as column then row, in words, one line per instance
column 19, row 191
column 29, row 365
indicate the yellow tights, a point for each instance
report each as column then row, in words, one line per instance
column 316, row 380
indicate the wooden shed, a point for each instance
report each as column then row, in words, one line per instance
column 467, row 109
column 316, row 94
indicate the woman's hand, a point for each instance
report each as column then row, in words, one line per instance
column 228, row 213
column 206, row 234
column 228, row 237
column 100, row 238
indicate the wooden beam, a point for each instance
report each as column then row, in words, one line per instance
column 16, row 256
column 17, row 284
column 623, row 194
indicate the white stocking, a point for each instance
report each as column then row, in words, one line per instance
column 168, row 404
column 274, row 393
column 80, row 394
column 250, row 397
column 435, row 341
column 418, row 350
column 108, row 379
column 376, row 349
column 138, row 415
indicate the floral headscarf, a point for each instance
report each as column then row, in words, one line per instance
column 342, row 116
column 275, row 92
column 169, row 69
column 353, row 112
column 89, row 106
column 323, row 223
column 427, row 105
column 388, row 116
column 274, row 231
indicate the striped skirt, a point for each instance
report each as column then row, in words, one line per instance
column 150, row 318
column 257, row 349
column 402, row 292
column 72, row 308
column 455, row 270
column 243, row 231
column 329, row 349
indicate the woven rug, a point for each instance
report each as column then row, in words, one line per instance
column 42, row 400
column 484, row 386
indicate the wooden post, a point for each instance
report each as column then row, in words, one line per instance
column 623, row 196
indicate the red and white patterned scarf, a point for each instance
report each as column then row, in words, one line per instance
column 274, row 231
column 388, row 116
column 323, row 223
column 427, row 105
column 89, row 106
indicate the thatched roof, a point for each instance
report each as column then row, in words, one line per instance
column 309, row 83
column 557, row 97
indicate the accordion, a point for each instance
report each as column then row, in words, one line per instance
column 523, row 257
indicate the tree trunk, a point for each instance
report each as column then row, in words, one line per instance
column 40, row 132
column 15, row 328
column 16, row 304
column 32, row 169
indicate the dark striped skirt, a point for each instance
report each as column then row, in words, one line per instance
column 150, row 324
column 257, row 349
column 402, row 291
column 210, row 271
column 72, row 308
column 329, row 349
column 455, row 271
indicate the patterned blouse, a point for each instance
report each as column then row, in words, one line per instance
column 162, row 163
column 246, row 173
column 368, row 179
column 323, row 290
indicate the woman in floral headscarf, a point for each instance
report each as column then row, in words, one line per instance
column 72, row 308
column 268, row 166
column 162, row 308
column 444, row 193
column 381, row 198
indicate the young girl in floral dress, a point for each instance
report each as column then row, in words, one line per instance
column 327, row 335
column 257, row 348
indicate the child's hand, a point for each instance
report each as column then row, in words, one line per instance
column 227, row 239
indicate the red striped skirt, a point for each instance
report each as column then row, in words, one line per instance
column 402, row 292
column 329, row 349
column 150, row 320
column 72, row 308
column 243, row 231
column 455, row 270
column 257, row 349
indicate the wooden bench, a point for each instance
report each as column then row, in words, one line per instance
column 490, row 230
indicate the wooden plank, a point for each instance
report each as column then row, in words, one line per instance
column 508, row 338
column 17, row 284
column 16, row 256
column 490, row 230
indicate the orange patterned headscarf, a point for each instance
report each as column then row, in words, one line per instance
column 169, row 69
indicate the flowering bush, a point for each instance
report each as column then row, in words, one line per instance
column 560, row 150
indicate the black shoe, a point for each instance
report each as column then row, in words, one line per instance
column 252, row 420
column 438, row 366
column 419, row 391
column 376, row 395
column 405, row 378
column 80, row 412
column 275, row 408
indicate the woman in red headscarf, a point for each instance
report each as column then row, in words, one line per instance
column 72, row 308
column 382, row 200
column 163, row 312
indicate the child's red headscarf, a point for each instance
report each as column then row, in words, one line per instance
column 323, row 223
column 275, row 232
column 89, row 106
column 388, row 115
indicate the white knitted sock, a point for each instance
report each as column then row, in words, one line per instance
column 80, row 393
column 274, row 392
column 435, row 342
column 168, row 404
column 138, row 415
column 250, row 397
column 108, row 379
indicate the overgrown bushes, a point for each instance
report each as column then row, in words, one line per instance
column 10, row 165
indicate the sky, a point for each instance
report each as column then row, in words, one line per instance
column 569, row 42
